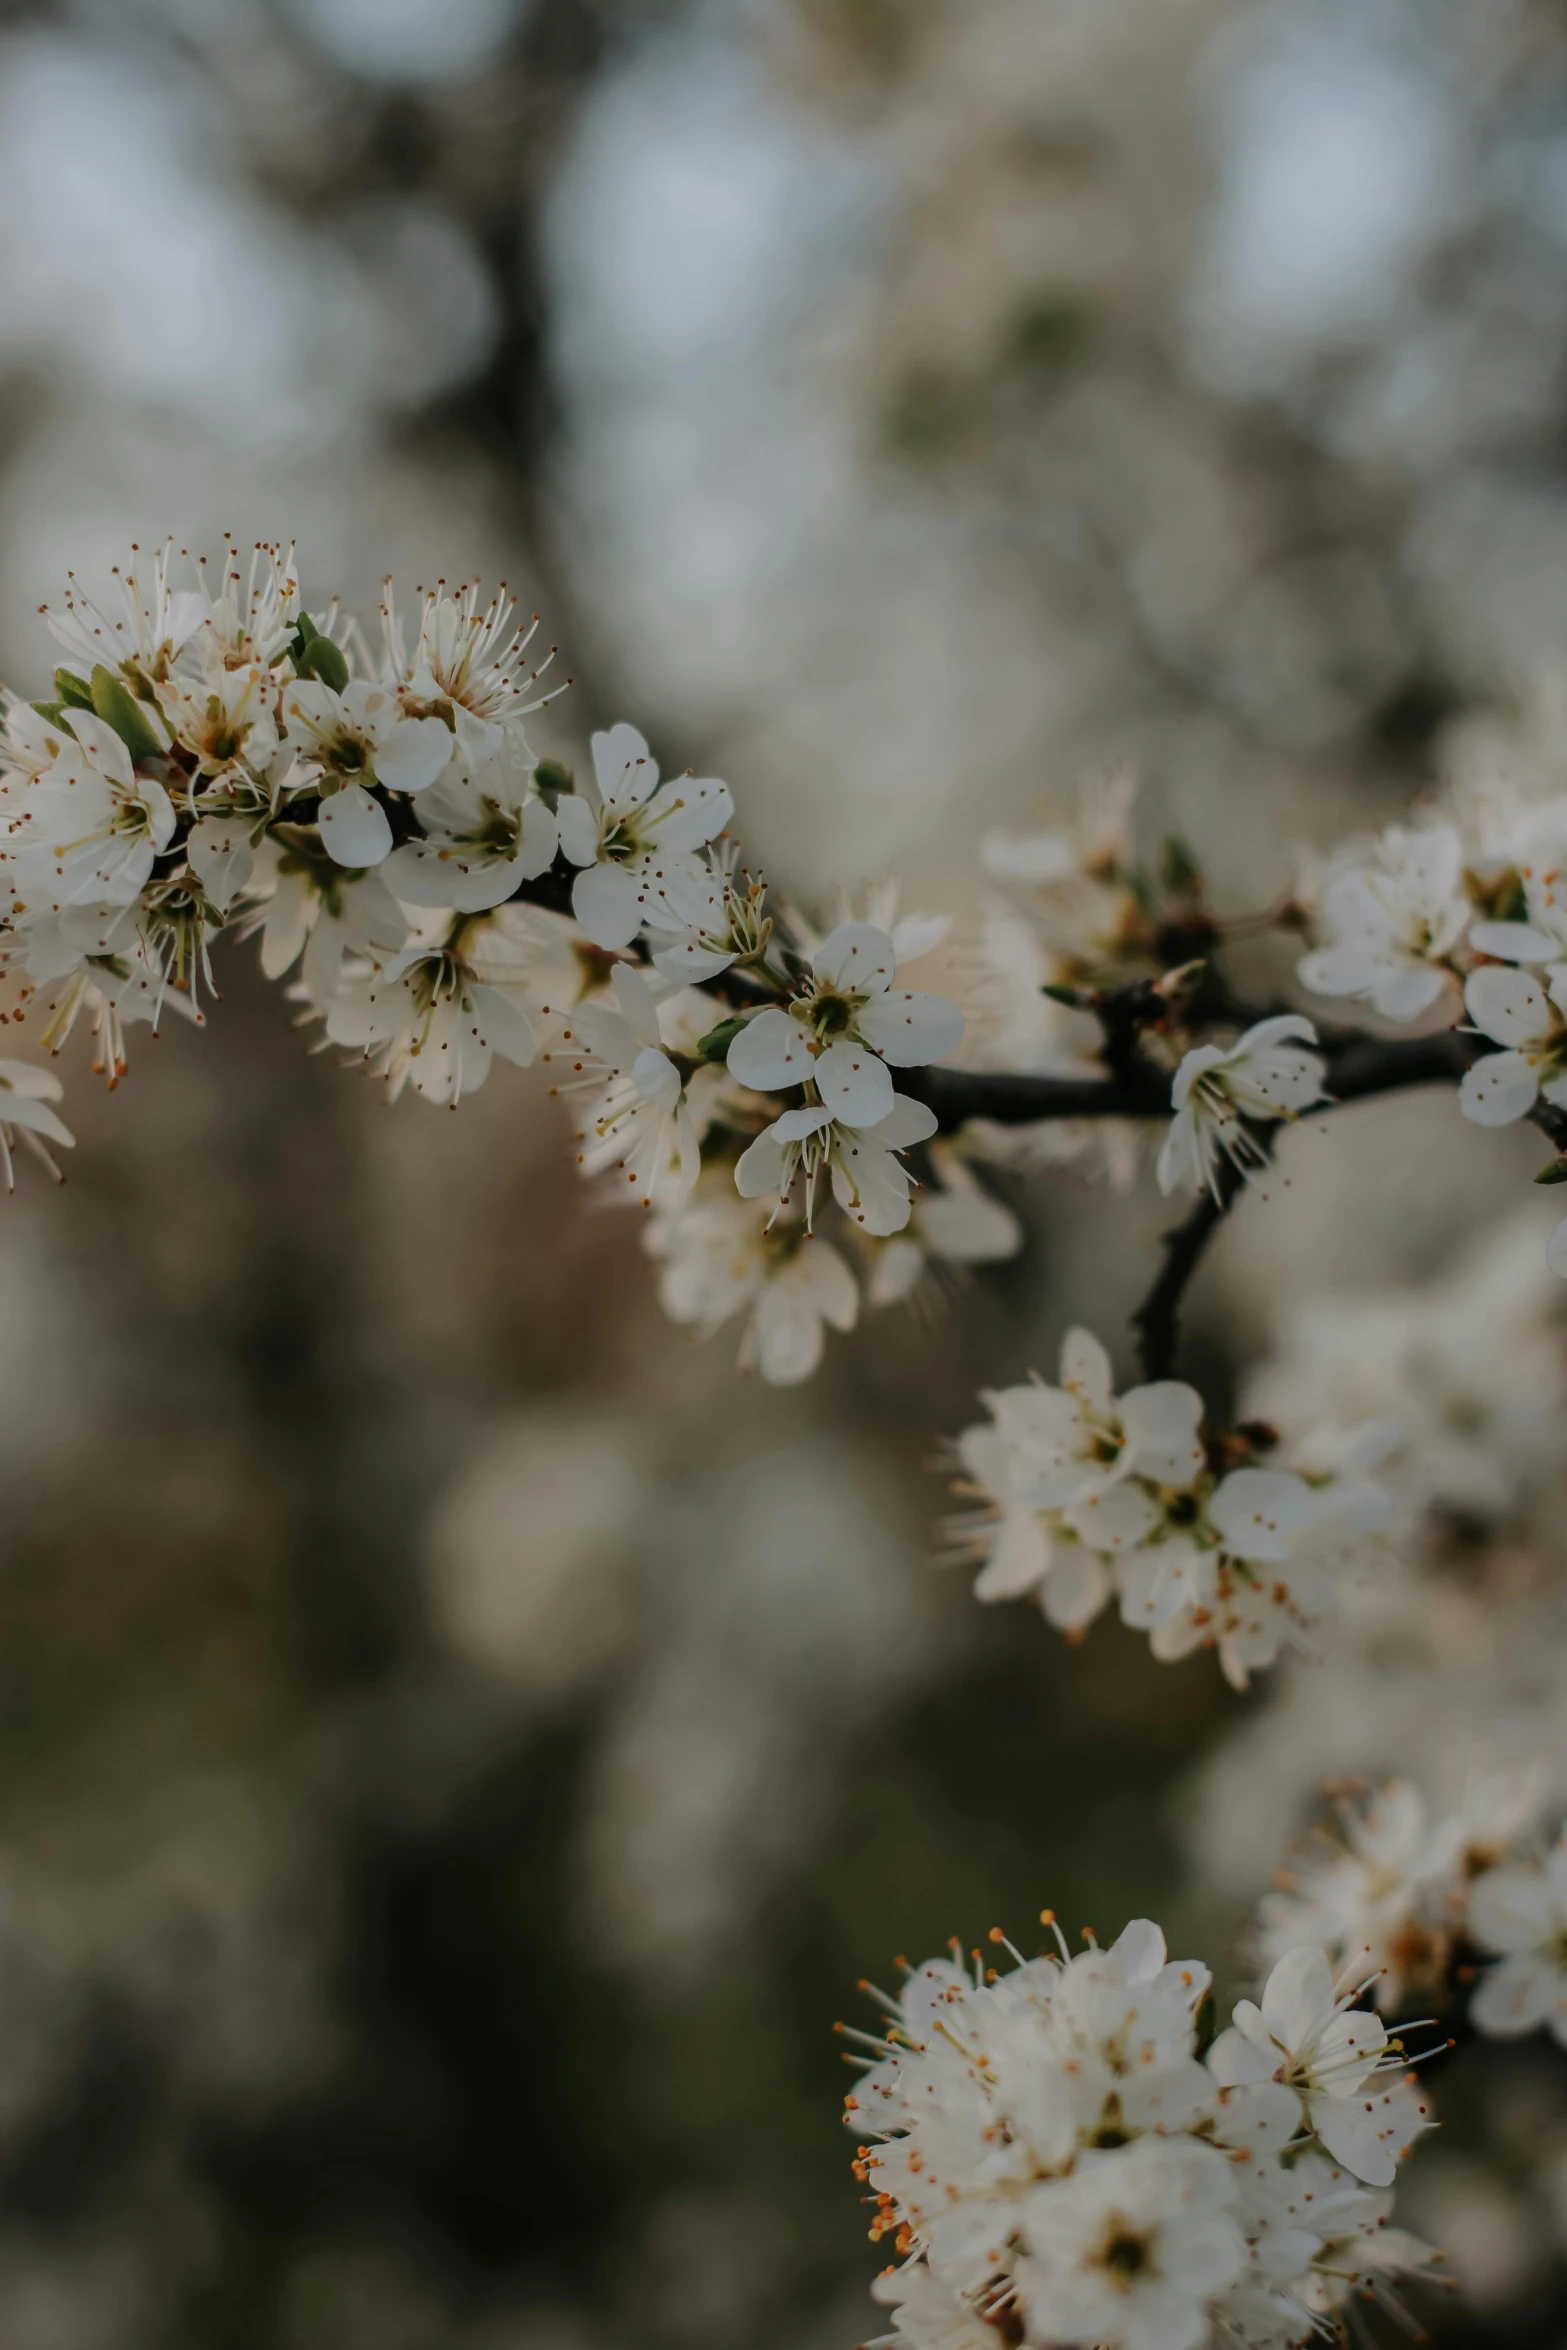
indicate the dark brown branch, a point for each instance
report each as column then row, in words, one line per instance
column 1157, row 1320
column 1358, row 1069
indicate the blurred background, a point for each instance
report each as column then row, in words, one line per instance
column 459, row 1745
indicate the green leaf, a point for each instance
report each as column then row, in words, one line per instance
column 714, row 1046
column 550, row 779
column 1076, row 999
column 118, row 707
column 1556, row 1172
column 51, row 713
column 1179, row 869
column 319, row 657
column 74, row 692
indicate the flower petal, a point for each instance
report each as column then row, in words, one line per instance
column 908, row 1029
column 856, row 956
column 1508, row 1005
column 855, row 1085
column 771, row 1052
column 1498, row 1089
column 606, row 904
column 354, row 829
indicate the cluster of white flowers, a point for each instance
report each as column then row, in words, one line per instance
column 217, row 758
column 1462, row 913
column 1087, row 1495
column 1430, row 1903
column 1056, row 2164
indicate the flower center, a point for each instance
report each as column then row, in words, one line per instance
column 1124, row 2253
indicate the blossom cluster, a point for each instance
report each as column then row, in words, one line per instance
column 215, row 758
column 1086, row 1495
column 1056, row 2164
column 1429, row 1903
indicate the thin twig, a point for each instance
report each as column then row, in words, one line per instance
column 1157, row 1319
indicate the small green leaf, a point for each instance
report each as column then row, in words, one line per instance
column 1179, row 869
column 550, row 779
column 118, row 707
column 74, row 692
column 1183, row 979
column 1076, row 999
column 51, row 713
column 714, row 1046
column 1556, row 1172
column 319, row 657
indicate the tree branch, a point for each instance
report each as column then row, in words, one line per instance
column 1359, row 1068
column 1157, row 1319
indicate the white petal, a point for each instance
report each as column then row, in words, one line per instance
column 690, row 811
column 579, row 831
column 1160, row 1423
column 637, row 1008
column 605, row 902
column 354, row 829
column 656, row 1078
column 1514, row 942
column 771, row 1052
column 539, row 841
column 1406, row 993
column 856, row 956
column 1509, row 1005
column 1076, row 1588
column 1515, row 1996
column 507, row 1028
column 626, row 774
column 220, row 854
column 1497, row 1089
column 1019, row 1557
column 906, row 1123
column 1298, row 1999
column 854, row 1084
column 1085, row 1368
column 761, row 1168
column 1511, row 1909
column 1255, row 1511
column 411, row 754
column 909, row 1030
column 870, row 1186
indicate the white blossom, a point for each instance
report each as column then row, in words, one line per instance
column 1050, row 2156
column 1515, row 1011
column 467, row 667
column 954, row 1221
column 1264, row 1075
column 724, row 924
column 346, row 742
column 1088, row 1495
column 435, row 1014
column 638, row 1119
column 638, row 842
column 250, row 614
column 25, row 1095
column 154, row 624
column 1310, row 2035
column 720, row 1255
column 91, row 826
column 318, row 911
column 1543, row 937
column 844, row 1026
column 864, row 1163
column 1521, row 1912
column 1392, row 924
column 1372, row 1903
column 484, row 832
